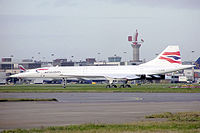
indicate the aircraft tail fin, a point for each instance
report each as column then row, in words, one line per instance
column 170, row 56
column 22, row 69
column 197, row 64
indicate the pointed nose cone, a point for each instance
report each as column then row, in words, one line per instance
column 13, row 76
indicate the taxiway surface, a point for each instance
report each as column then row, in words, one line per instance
column 88, row 108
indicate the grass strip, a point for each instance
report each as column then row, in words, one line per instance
column 146, row 88
column 180, row 116
column 25, row 99
column 149, row 127
column 172, row 126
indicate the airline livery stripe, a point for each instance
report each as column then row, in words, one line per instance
column 21, row 68
column 174, row 57
column 170, row 60
column 172, row 53
column 42, row 69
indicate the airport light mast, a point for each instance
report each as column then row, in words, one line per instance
column 136, row 46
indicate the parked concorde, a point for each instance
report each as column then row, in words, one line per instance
column 168, row 61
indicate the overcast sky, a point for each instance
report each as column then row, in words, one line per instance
column 83, row 28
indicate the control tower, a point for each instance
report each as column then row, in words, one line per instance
column 136, row 46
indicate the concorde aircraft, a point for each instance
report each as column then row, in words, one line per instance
column 168, row 61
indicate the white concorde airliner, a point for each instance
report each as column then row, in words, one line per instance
column 168, row 61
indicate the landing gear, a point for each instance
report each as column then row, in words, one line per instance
column 111, row 86
column 64, row 82
column 121, row 86
column 125, row 86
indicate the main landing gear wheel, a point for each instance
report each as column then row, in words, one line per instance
column 111, row 86
column 125, row 86
column 107, row 86
column 114, row 86
column 122, row 86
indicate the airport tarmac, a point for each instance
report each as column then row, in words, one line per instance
column 109, row 97
column 38, row 114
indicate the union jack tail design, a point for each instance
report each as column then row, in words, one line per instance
column 172, row 57
column 171, row 54
column 22, row 69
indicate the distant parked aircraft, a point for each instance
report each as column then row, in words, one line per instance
column 197, row 64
